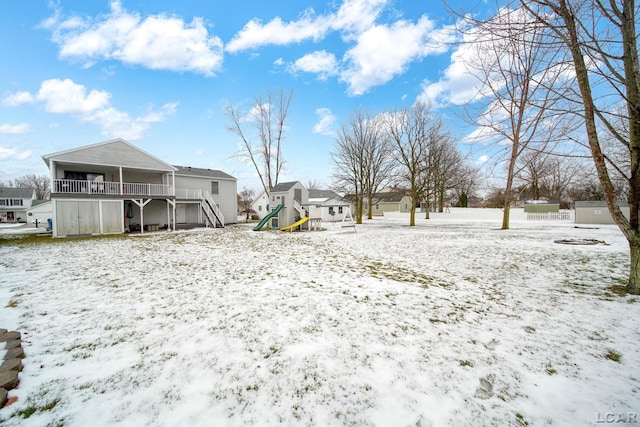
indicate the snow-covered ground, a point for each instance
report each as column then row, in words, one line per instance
column 449, row 323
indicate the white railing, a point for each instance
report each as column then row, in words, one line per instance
column 551, row 216
column 209, row 206
column 147, row 189
column 216, row 210
column 74, row 186
column 186, row 194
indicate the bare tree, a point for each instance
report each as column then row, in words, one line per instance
column 245, row 198
column 512, row 64
column 601, row 40
column 40, row 183
column 378, row 165
column 549, row 176
column 362, row 160
column 412, row 131
column 447, row 172
column 262, row 146
column 314, row 185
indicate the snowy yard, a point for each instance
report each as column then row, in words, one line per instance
column 450, row 323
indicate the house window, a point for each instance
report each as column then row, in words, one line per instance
column 331, row 212
column 260, row 208
column 214, row 187
column 377, row 206
column 339, row 209
column 3, row 202
column 16, row 202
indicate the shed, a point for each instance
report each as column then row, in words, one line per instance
column 541, row 206
column 597, row 212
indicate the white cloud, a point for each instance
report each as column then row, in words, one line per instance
column 482, row 160
column 378, row 52
column 382, row 52
column 159, row 42
column 326, row 124
column 353, row 16
column 18, row 98
column 321, row 62
column 356, row 16
column 490, row 52
column 24, row 155
column 276, row 32
column 9, row 129
column 13, row 154
column 457, row 86
column 67, row 97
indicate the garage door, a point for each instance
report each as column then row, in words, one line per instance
column 77, row 217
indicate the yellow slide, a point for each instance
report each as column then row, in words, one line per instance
column 295, row 224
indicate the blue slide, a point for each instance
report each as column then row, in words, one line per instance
column 267, row 218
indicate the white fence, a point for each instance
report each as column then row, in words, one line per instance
column 551, row 216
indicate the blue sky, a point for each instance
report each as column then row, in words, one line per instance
column 159, row 75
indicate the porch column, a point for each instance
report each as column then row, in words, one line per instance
column 121, row 184
column 171, row 204
column 52, row 173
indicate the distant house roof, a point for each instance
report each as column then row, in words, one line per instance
column 200, row 172
column 598, row 204
column 17, row 193
column 388, row 197
column 283, row 187
column 323, row 194
column 39, row 202
column 542, row 202
column 115, row 152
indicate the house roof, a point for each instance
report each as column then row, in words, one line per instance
column 323, row 194
column 542, row 202
column 283, row 187
column 388, row 197
column 200, row 172
column 115, row 152
column 17, row 193
column 39, row 202
column 598, row 204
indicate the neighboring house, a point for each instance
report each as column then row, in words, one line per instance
column 386, row 202
column 39, row 214
column 329, row 206
column 597, row 212
column 295, row 198
column 112, row 187
column 14, row 203
column 260, row 204
column 541, row 206
column 193, row 183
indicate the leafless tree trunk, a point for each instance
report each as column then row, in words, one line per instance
column 261, row 131
column 602, row 41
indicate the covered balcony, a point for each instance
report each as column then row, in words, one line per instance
column 99, row 187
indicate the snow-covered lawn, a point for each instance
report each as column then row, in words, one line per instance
column 449, row 323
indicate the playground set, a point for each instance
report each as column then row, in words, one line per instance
column 290, row 209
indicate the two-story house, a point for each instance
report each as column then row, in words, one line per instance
column 14, row 203
column 113, row 187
